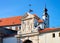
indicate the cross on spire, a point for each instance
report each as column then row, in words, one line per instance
column 30, row 10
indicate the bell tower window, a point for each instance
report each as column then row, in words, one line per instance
column 46, row 15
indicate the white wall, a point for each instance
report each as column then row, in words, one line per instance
column 48, row 38
column 13, row 27
column 43, row 38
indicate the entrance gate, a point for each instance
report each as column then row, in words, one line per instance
column 27, row 41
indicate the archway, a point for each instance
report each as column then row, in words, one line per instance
column 27, row 41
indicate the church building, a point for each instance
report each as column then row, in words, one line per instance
column 28, row 29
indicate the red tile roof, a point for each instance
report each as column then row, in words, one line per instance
column 14, row 21
column 36, row 16
column 10, row 21
column 38, row 19
column 49, row 29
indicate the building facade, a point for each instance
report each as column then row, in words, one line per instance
column 28, row 29
column 40, row 33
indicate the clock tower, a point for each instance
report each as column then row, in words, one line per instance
column 45, row 18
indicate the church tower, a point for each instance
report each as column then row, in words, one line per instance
column 45, row 18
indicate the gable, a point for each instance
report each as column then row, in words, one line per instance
column 27, row 16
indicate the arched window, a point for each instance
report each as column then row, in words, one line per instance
column 59, row 34
column 19, row 27
column 53, row 35
column 27, row 41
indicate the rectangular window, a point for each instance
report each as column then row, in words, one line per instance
column 16, row 27
column 19, row 27
column 53, row 35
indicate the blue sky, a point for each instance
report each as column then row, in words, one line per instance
column 10, row 8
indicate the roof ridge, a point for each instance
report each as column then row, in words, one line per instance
column 11, row 17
